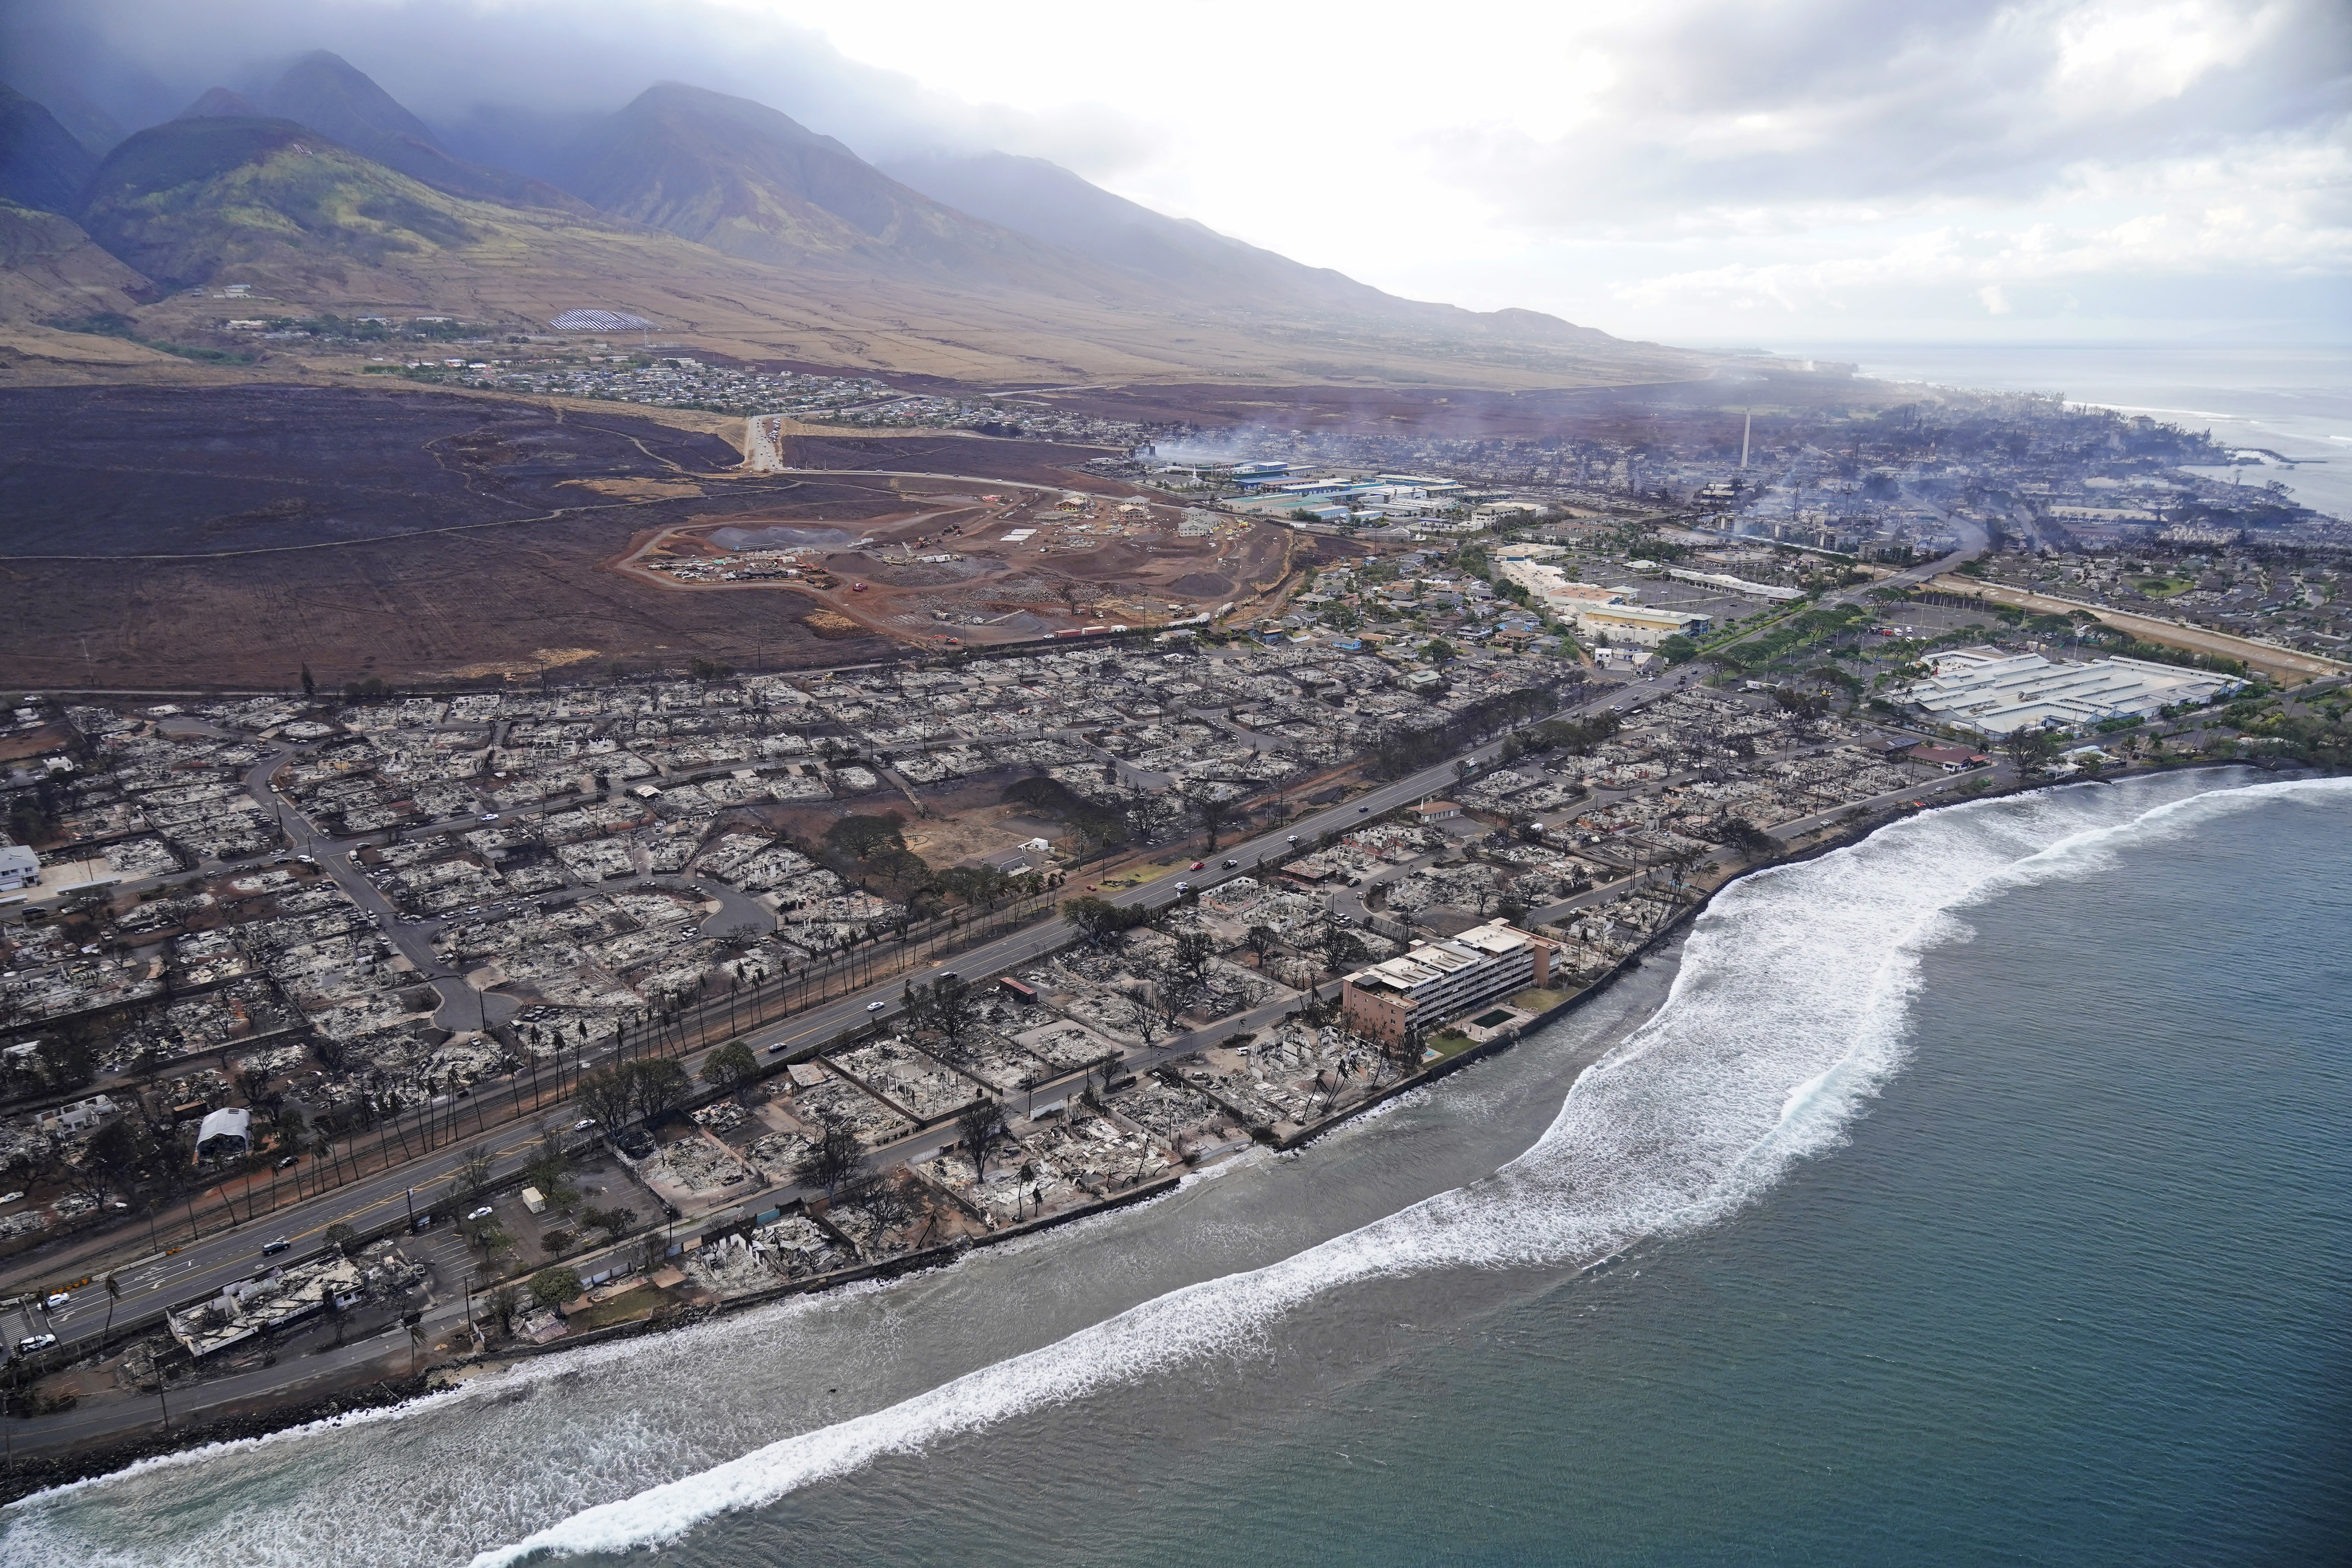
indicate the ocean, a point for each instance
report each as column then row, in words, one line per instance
column 2293, row 401
column 1976, row 1192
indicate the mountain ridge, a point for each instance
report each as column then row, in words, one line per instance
column 725, row 217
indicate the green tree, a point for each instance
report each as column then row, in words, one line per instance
column 607, row 1094
column 550, row 1287
column 657, row 1087
column 731, row 1065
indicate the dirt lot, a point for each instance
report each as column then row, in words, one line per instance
column 974, row 566
column 174, row 537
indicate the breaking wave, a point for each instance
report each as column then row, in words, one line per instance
column 1786, row 1014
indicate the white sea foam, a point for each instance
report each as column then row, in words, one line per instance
column 1786, row 1014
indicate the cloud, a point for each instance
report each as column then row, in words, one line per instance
column 1667, row 169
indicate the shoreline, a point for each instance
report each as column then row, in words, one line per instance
column 102, row 1456
column 36, row 1474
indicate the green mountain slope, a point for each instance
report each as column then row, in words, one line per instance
column 181, row 200
column 327, row 93
column 48, row 267
column 742, row 178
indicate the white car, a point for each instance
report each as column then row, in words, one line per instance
column 482, row 1212
column 489, row 816
column 58, row 1299
column 875, row 1007
column 37, row 1342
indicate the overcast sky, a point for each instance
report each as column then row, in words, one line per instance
column 1784, row 175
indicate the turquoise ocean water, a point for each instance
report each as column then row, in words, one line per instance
column 1980, row 1193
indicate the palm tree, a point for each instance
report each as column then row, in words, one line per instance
column 113, row 1294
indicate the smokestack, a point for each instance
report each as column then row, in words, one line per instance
column 1747, row 428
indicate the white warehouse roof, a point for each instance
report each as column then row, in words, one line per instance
column 1994, row 693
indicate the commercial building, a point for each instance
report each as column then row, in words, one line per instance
column 1735, row 585
column 1994, row 693
column 1639, row 624
column 1439, row 981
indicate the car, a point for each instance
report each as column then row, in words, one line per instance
column 1363, row 808
column 584, row 1124
column 1197, row 865
column 1291, row 839
column 482, row 1212
column 288, row 1163
column 489, row 816
column 10, row 1197
column 55, row 1299
column 37, row 1342
column 1184, row 886
column 949, row 975
column 1231, row 864
column 272, row 1248
column 875, row 1007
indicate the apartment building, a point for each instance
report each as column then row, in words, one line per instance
column 1440, row 981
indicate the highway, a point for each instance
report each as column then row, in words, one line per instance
column 385, row 1199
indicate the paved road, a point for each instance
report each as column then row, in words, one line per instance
column 205, row 1264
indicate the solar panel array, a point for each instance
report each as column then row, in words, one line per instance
column 597, row 322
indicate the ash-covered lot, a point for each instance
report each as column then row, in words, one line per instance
column 119, row 471
column 162, row 538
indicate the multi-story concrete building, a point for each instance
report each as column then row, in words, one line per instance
column 1439, row 981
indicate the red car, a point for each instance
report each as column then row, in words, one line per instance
column 1196, row 865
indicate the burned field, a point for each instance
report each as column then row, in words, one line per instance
column 165, row 538
column 965, row 564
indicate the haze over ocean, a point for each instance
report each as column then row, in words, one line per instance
column 2293, row 401
column 1976, row 1194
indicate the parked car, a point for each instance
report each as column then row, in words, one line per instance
column 482, row 1212
column 272, row 1248
column 37, row 1342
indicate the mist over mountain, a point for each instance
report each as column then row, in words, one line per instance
column 749, row 180
column 319, row 187
column 327, row 93
column 41, row 162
